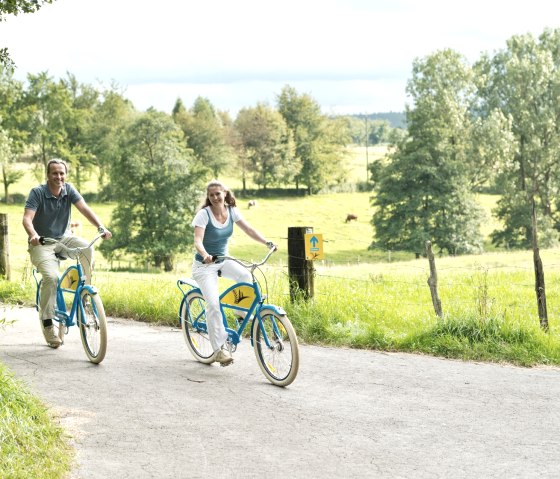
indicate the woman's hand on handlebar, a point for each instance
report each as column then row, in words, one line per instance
column 271, row 245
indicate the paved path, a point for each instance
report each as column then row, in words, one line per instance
column 151, row 411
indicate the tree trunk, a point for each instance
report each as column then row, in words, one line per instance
column 168, row 264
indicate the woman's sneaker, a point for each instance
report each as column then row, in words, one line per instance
column 52, row 339
column 223, row 357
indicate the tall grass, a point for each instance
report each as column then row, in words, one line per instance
column 31, row 444
column 490, row 310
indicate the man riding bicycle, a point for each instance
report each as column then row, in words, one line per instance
column 47, row 214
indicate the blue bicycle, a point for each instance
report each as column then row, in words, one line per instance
column 273, row 337
column 76, row 299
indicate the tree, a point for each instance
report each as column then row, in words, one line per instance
column 156, row 189
column 48, row 106
column 12, row 111
column 424, row 191
column 204, row 133
column 111, row 118
column 9, row 174
column 267, row 145
column 79, row 125
column 15, row 7
column 319, row 153
column 522, row 83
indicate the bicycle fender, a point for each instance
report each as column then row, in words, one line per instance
column 276, row 309
column 184, row 300
column 181, row 308
column 90, row 289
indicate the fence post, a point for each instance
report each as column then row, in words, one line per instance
column 432, row 280
column 4, row 243
column 301, row 272
column 539, row 274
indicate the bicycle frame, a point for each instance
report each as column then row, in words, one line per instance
column 71, row 282
column 231, row 299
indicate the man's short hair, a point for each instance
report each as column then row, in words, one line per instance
column 56, row 161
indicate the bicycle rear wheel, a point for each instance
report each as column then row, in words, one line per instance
column 195, row 331
column 93, row 326
column 279, row 360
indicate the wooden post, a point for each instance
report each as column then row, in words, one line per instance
column 432, row 280
column 301, row 272
column 4, row 243
column 539, row 273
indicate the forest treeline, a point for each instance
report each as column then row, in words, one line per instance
column 154, row 164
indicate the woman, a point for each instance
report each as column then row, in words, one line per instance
column 213, row 227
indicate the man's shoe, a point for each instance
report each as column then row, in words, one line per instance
column 52, row 339
column 223, row 358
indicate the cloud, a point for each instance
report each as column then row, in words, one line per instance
column 350, row 55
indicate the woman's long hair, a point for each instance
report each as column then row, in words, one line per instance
column 229, row 198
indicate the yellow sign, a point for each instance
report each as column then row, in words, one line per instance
column 313, row 246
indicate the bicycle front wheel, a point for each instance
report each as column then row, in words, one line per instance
column 195, row 331
column 93, row 326
column 276, row 347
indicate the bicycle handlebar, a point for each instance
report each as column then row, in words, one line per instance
column 45, row 241
column 248, row 264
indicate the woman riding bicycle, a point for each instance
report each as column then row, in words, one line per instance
column 213, row 227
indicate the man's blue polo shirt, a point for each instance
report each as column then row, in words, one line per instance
column 52, row 214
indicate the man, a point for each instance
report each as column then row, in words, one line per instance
column 47, row 214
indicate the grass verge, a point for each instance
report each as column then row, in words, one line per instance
column 31, row 443
column 489, row 314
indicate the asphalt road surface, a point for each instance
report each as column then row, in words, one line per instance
column 149, row 410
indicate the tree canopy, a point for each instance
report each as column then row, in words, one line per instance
column 156, row 184
column 318, row 148
column 267, row 144
column 522, row 82
column 423, row 192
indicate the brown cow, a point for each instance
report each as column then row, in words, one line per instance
column 350, row 217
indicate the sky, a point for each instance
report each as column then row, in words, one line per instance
column 351, row 56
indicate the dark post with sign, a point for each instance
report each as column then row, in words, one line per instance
column 301, row 272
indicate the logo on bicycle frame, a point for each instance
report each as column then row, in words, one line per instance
column 237, row 295
column 70, row 280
